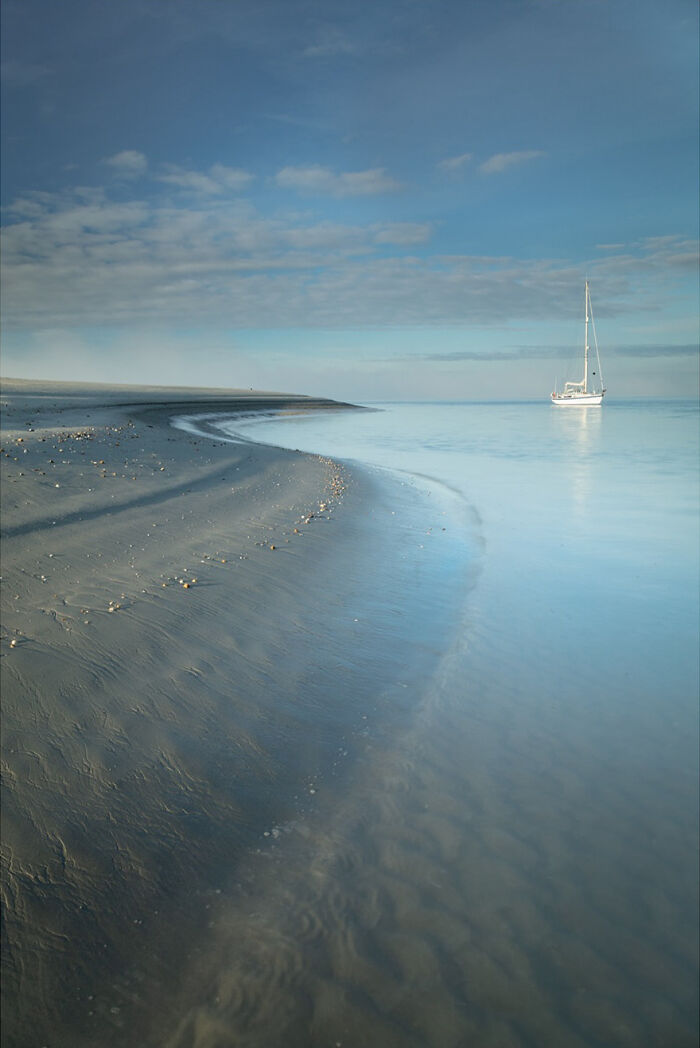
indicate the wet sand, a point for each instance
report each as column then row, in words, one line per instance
column 309, row 794
column 155, row 592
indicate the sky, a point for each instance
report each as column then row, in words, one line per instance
column 383, row 199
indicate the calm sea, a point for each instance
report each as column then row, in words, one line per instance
column 516, row 862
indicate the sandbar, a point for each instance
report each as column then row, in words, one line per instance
column 157, row 595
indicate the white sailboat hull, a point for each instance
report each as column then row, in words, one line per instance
column 577, row 399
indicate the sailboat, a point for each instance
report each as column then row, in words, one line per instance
column 579, row 393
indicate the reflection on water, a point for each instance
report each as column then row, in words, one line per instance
column 581, row 428
column 517, row 864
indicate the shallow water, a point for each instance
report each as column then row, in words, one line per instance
column 433, row 786
column 514, row 861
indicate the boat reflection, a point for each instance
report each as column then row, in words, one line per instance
column 581, row 432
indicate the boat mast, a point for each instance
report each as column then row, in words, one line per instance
column 585, row 346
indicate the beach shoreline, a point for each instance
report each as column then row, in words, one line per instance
column 289, row 756
column 125, row 542
column 177, row 612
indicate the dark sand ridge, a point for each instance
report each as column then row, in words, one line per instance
column 133, row 556
column 191, row 632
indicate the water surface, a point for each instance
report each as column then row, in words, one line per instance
column 515, row 862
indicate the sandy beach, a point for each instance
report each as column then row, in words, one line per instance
column 156, row 590
column 286, row 757
column 206, row 647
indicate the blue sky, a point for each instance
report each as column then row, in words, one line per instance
column 366, row 200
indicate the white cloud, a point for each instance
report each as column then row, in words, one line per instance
column 403, row 233
column 501, row 161
column 81, row 259
column 128, row 164
column 217, row 180
column 326, row 236
column 452, row 164
column 322, row 181
column 31, row 205
column 330, row 41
